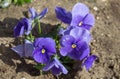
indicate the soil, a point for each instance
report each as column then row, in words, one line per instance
column 105, row 44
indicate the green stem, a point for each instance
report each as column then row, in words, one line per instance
column 31, row 37
column 30, row 34
column 39, row 27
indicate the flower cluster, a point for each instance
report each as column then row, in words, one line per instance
column 72, row 42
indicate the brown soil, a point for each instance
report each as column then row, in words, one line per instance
column 105, row 44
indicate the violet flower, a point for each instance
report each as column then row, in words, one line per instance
column 24, row 50
column 35, row 15
column 23, row 27
column 63, row 15
column 44, row 48
column 89, row 61
column 75, row 45
column 56, row 67
column 80, row 16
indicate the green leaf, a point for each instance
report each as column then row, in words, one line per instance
column 30, row 37
column 27, row 1
column 39, row 66
column 15, row 1
column 20, row 2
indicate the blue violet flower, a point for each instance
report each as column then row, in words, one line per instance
column 75, row 45
column 80, row 16
column 56, row 67
column 23, row 27
column 68, row 45
column 88, row 62
column 44, row 48
column 64, row 16
column 35, row 15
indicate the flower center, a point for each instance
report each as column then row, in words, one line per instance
column 73, row 46
column 80, row 23
column 43, row 50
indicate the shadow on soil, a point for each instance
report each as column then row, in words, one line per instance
column 6, row 27
column 12, row 59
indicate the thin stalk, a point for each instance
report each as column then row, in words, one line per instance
column 39, row 27
column 31, row 37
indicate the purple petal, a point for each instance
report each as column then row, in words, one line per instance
column 80, row 52
column 89, row 19
column 81, row 34
column 23, row 26
column 43, row 13
column 63, row 69
column 48, row 66
column 65, row 50
column 28, row 26
column 27, row 41
column 33, row 13
column 19, row 50
column 56, row 70
column 84, row 50
column 28, row 50
column 74, row 55
column 76, row 20
column 89, row 61
column 40, row 57
column 67, row 40
column 50, row 45
column 80, row 9
column 88, row 27
column 19, row 29
column 61, row 31
column 47, row 43
column 24, row 50
column 63, row 15
column 39, row 42
column 56, row 67
column 69, row 28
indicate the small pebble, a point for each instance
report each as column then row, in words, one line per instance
column 95, row 8
column 38, row 10
column 103, row 0
column 23, row 78
column 108, row 17
column 97, row 18
column 108, row 35
column 102, row 34
column 113, row 78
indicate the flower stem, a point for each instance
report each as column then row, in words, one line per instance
column 39, row 27
column 31, row 37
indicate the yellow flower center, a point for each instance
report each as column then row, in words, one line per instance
column 80, row 23
column 43, row 50
column 73, row 46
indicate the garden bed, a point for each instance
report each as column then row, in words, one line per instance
column 105, row 43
